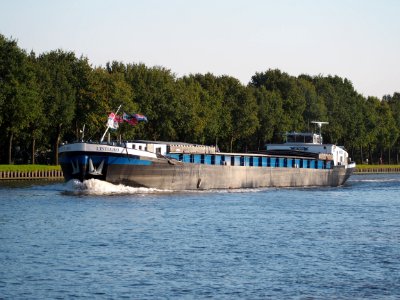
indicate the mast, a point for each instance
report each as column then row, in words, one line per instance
column 83, row 132
column 108, row 127
column 319, row 125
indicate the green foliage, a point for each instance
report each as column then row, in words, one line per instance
column 361, row 167
column 48, row 98
column 28, row 168
column 154, row 93
column 107, row 90
column 19, row 103
column 58, row 81
column 270, row 116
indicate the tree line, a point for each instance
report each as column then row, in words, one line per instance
column 48, row 98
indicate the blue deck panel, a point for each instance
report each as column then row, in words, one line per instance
column 197, row 158
column 236, row 160
column 174, row 156
column 272, row 162
column 227, row 159
column 289, row 163
column 281, row 162
column 219, row 159
column 304, row 163
column 297, row 162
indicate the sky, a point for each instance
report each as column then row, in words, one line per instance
column 354, row 39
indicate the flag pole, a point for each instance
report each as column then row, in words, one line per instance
column 108, row 127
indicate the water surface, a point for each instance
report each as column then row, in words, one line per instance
column 96, row 240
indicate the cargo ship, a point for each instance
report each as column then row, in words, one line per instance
column 303, row 160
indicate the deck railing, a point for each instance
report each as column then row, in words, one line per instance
column 29, row 175
column 377, row 170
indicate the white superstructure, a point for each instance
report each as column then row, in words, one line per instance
column 312, row 143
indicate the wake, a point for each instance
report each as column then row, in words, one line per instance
column 99, row 187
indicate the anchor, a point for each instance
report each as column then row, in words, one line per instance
column 75, row 169
column 95, row 171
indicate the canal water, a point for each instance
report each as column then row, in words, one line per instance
column 97, row 240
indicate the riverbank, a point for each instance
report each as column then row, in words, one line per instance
column 32, row 175
column 30, row 172
column 377, row 169
column 40, row 172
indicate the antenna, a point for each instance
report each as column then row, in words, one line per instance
column 320, row 125
column 83, row 132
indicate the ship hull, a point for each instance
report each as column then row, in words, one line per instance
column 170, row 174
column 224, row 177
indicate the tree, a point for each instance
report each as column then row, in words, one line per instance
column 191, row 118
column 326, row 91
column 241, row 105
column 57, row 79
column 18, row 91
column 107, row 90
column 270, row 115
column 293, row 101
column 154, row 92
column 49, row 98
column 315, row 109
column 81, row 83
column 394, row 104
column 387, row 132
column 215, row 113
column 37, row 123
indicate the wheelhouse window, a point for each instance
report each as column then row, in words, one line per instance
column 299, row 138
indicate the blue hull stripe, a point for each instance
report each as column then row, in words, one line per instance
column 110, row 160
column 127, row 161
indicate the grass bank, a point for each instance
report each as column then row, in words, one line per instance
column 363, row 167
column 27, row 168
column 32, row 168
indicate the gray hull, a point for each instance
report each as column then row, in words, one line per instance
column 164, row 175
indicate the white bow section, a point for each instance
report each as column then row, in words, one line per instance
column 101, row 148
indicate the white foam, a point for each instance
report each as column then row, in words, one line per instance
column 375, row 180
column 230, row 191
column 99, row 187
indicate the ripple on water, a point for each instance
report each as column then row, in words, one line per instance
column 248, row 244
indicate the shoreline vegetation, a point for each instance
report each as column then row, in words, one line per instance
column 371, row 169
column 30, row 172
column 364, row 167
column 28, row 168
column 31, row 168
column 55, row 97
